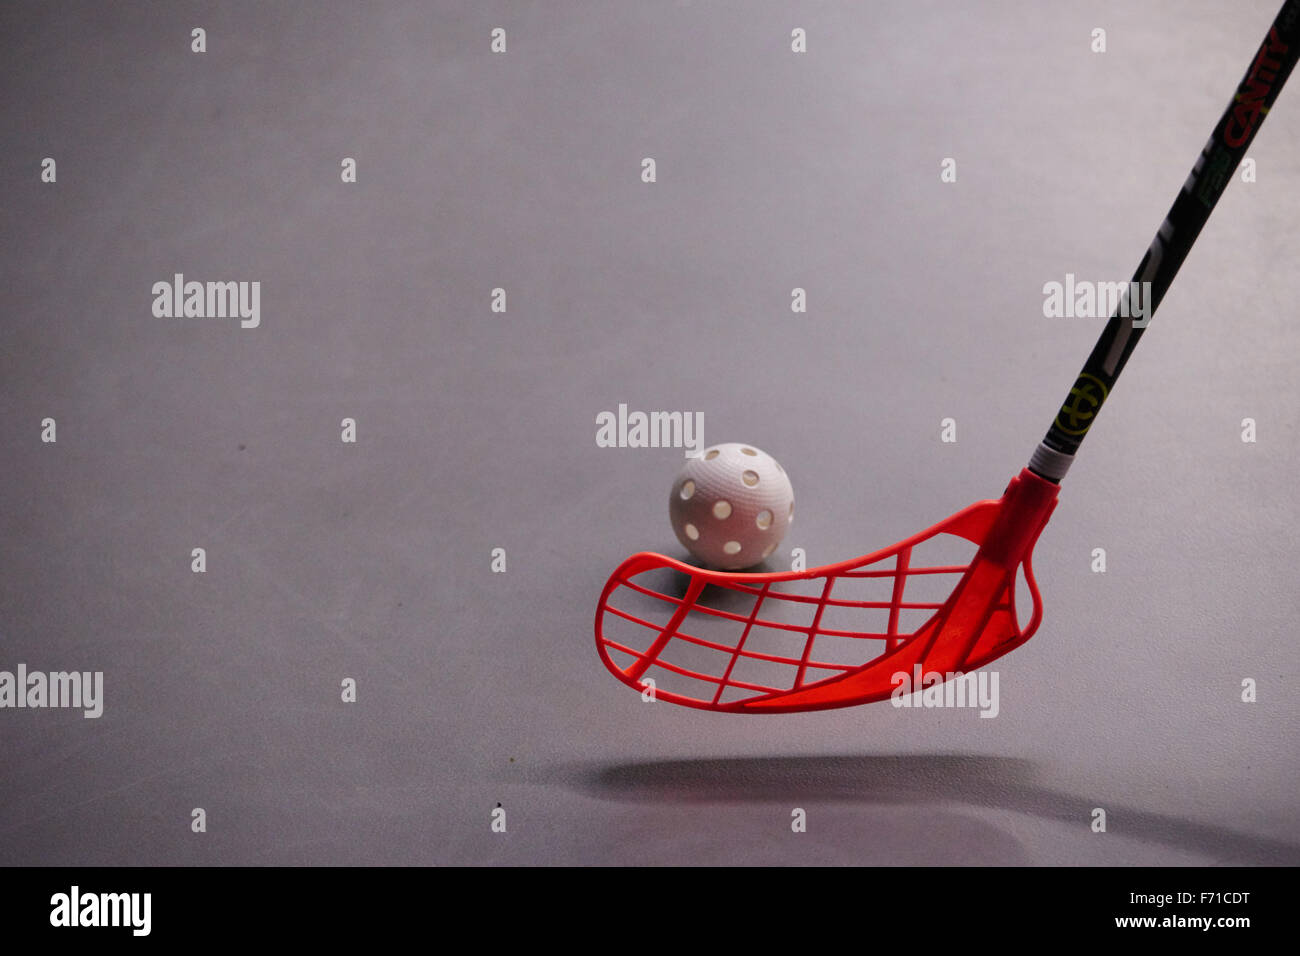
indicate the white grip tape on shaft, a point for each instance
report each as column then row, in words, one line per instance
column 1050, row 463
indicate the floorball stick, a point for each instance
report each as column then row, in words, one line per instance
column 855, row 632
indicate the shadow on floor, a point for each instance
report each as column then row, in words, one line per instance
column 1000, row 783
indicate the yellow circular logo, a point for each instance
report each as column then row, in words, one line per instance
column 1076, row 415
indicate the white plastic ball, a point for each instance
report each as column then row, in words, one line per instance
column 731, row 506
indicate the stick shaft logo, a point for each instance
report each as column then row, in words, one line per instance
column 1251, row 101
column 1080, row 409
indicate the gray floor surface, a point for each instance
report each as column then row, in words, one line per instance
column 370, row 560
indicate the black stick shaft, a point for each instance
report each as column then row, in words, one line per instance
column 1213, row 171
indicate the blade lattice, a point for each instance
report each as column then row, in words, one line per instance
column 711, row 640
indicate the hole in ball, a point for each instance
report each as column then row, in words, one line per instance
column 688, row 489
column 722, row 509
column 750, row 478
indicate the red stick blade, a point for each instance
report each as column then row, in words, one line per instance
column 943, row 600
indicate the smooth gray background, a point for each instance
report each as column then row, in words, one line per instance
column 476, row 430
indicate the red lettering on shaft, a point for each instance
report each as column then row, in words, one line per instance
column 1255, row 90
